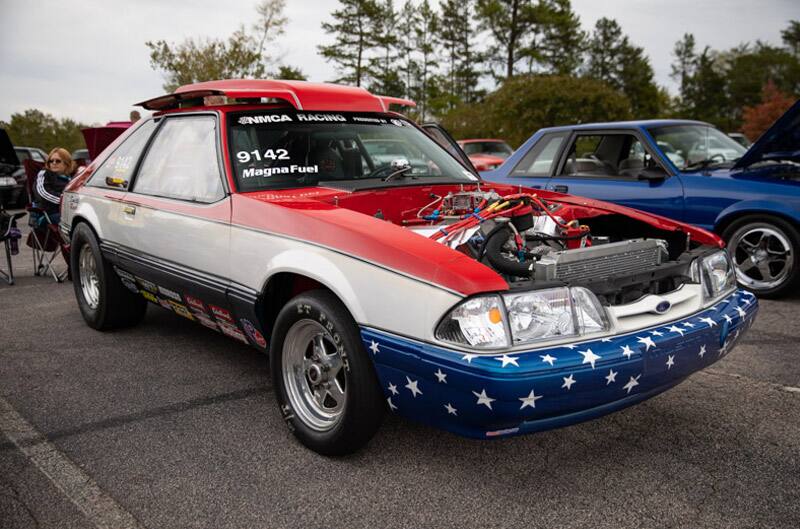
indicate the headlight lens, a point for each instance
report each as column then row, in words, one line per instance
column 532, row 316
column 717, row 275
column 7, row 181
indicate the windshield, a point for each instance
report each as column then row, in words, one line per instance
column 693, row 146
column 493, row 148
column 280, row 149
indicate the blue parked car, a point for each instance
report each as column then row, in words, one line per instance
column 689, row 171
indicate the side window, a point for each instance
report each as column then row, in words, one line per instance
column 605, row 155
column 182, row 162
column 540, row 159
column 22, row 155
column 38, row 156
column 122, row 162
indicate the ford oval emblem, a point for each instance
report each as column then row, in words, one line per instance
column 663, row 307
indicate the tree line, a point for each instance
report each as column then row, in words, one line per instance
column 498, row 67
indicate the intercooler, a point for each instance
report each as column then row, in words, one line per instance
column 603, row 261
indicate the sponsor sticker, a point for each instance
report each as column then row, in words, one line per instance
column 253, row 333
column 205, row 320
column 194, row 303
column 124, row 275
column 147, row 285
column 221, row 314
column 171, row 294
column 252, row 172
column 165, row 303
column 232, row 331
column 181, row 310
column 130, row 285
column 149, row 296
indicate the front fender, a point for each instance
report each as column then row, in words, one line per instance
column 789, row 210
column 321, row 269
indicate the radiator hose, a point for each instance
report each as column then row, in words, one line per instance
column 502, row 262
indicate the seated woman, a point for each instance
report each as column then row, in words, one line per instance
column 51, row 181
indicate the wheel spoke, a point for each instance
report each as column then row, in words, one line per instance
column 336, row 393
column 746, row 265
column 766, row 273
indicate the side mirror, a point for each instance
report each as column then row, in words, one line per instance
column 653, row 174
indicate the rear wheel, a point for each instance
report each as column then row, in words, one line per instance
column 325, row 382
column 764, row 250
column 103, row 300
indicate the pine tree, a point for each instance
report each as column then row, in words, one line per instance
column 425, row 43
column 605, row 48
column 384, row 65
column 354, row 32
column 456, row 35
column 563, row 41
column 409, row 21
column 514, row 27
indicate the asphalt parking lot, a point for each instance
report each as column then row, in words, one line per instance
column 170, row 425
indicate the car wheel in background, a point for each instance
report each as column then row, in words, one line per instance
column 103, row 300
column 325, row 383
column 764, row 250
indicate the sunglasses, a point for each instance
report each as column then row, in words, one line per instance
column 55, row 161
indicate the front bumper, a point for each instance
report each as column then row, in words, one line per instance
column 507, row 394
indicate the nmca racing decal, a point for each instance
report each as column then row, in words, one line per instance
column 253, row 333
column 300, row 118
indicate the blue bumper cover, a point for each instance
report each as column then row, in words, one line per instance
column 526, row 391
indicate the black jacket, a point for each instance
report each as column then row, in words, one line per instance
column 47, row 190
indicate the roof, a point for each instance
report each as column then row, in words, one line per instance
column 645, row 123
column 302, row 95
column 477, row 140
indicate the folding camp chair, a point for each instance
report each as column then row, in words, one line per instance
column 9, row 236
column 44, row 239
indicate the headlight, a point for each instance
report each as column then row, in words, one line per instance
column 716, row 275
column 7, row 181
column 531, row 316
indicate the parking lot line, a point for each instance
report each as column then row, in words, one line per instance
column 98, row 507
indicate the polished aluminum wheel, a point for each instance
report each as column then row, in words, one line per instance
column 87, row 272
column 762, row 256
column 315, row 382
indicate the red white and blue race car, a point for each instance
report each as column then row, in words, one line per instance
column 381, row 273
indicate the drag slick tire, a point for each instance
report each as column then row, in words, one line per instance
column 766, row 254
column 325, row 383
column 103, row 300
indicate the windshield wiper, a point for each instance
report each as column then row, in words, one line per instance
column 708, row 162
column 398, row 172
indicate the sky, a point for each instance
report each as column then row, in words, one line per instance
column 86, row 59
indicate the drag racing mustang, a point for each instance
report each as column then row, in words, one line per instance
column 280, row 217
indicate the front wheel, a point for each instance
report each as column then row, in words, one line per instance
column 765, row 255
column 103, row 300
column 325, row 383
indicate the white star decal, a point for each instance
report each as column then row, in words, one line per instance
column 468, row 357
column 627, row 351
column 702, row 351
column 633, row 382
column 547, row 358
column 670, row 361
column 677, row 329
column 508, row 360
column 709, row 321
column 606, row 340
column 657, row 333
column 374, row 347
column 450, row 409
column 530, row 400
column 741, row 312
column 568, row 382
column 747, row 301
column 728, row 319
column 646, row 341
column 611, row 377
column 442, row 377
column 391, row 405
column 687, row 324
column 589, row 357
column 393, row 389
column 571, row 346
column 484, row 399
column 412, row 387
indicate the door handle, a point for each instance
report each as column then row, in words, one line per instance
column 560, row 188
column 129, row 210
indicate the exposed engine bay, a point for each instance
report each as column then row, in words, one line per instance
column 527, row 238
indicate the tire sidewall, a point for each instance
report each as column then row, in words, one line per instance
column 748, row 223
column 83, row 236
column 362, row 386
